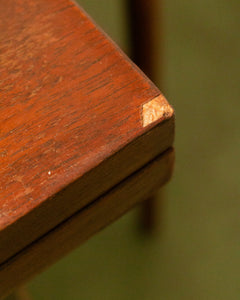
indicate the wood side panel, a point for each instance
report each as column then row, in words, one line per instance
column 82, row 191
column 85, row 223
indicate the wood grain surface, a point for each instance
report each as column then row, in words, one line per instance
column 71, row 123
column 85, row 223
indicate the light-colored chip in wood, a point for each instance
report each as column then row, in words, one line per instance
column 157, row 108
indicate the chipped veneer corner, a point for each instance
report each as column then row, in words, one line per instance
column 156, row 109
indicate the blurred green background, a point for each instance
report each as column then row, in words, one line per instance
column 197, row 253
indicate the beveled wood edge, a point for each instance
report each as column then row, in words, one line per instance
column 156, row 139
column 85, row 223
column 116, row 46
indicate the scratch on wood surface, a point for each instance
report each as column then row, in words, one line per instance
column 157, row 108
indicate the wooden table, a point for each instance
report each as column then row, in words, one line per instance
column 84, row 134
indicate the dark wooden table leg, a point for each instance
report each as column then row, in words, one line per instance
column 144, row 35
column 145, row 38
column 151, row 212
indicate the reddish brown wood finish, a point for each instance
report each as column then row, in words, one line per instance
column 85, row 223
column 70, row 117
